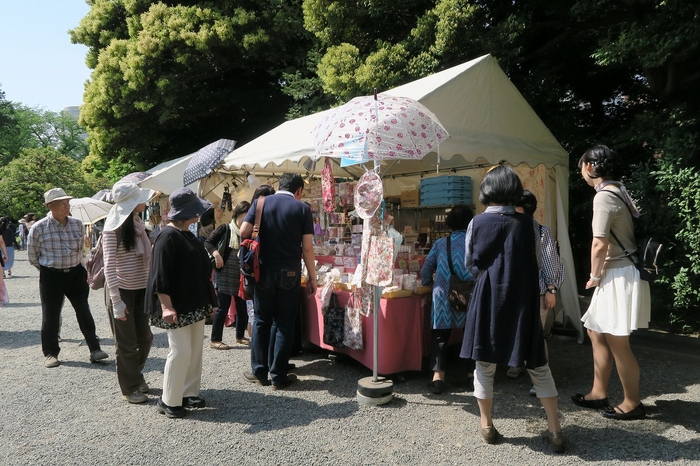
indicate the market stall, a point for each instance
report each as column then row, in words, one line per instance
column 488, row 121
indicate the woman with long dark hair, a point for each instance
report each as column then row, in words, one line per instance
column 621, row 301
column 127, row 254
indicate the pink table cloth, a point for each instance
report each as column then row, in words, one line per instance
column 404, row 332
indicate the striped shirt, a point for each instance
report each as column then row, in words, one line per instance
column 51, row 244
column 123, row 269
column 552, row 271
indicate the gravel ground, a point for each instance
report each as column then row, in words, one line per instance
column 75, row 414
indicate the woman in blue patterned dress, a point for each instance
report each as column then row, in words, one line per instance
column 443, row 317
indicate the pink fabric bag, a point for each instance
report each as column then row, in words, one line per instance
column 328, row 186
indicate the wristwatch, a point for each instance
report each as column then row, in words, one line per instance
column 552, row 290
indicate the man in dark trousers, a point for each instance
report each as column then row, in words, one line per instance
column 286, row 234
column 55, row 247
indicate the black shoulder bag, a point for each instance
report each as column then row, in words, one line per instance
column 460, row 290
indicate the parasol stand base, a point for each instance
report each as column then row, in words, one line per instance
column 374, row 393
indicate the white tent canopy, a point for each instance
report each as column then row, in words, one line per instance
column 485, row 114
column 488, row 121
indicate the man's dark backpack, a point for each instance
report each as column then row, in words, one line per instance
column 249, row 252
column 650, row 252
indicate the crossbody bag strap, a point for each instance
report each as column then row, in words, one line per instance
column 449, row 254
column 258, row 216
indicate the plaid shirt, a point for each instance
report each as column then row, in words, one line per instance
column 53, row 245
column 552, row 271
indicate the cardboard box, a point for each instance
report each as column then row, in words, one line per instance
column 425, row 223
column 410, row 198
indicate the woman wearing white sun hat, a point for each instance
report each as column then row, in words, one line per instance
column 127, row 254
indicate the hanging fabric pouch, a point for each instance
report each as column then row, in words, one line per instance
column 328, row 186
column 380, row 261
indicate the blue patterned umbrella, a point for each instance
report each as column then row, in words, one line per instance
column 206, row 159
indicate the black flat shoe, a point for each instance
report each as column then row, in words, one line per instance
column 193, row 402
column 580, row 400
column 170, row 411
column 616, row 413
column 436, row 386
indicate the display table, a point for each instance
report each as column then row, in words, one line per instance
column 404, row 332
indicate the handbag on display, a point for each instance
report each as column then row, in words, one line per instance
column 249, row 252
column 334, row 324
column 353, row 323
column 328, row 186
column 380, row 261
column 460, row 290
column 221, row 247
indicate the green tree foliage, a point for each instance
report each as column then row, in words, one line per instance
column 25, row 179
column 23, row 127
column 171, row 77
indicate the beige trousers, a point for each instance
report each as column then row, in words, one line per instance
column 183, row 367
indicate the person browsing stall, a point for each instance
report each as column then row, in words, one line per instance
column 227, row 278
column 443, row 317
column 550, row 278
column 286, row 233
column 503, row 322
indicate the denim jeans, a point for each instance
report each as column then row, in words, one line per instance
column 276, row 303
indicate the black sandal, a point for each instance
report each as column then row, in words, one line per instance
column 580, row 400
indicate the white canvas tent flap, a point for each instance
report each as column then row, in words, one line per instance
column 488, row 121
column 167, row 176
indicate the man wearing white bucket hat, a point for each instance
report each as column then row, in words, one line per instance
column 127, row 255
column 55, row 247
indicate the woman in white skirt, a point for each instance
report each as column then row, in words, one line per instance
column 621, row 301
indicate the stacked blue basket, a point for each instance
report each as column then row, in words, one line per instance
column 444, row 190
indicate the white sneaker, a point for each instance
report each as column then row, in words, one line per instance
column 51, row 361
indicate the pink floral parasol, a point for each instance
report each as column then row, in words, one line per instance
column 379, row 128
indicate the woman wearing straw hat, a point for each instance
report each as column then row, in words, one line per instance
column 127, row 255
